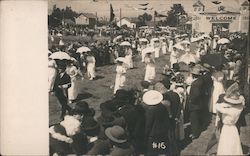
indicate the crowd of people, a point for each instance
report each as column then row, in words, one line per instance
column 203, row 78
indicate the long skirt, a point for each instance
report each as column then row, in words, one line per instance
column 217, row 90
column 119, row 82
column 150, row 73
column 229, row 143
column 164, row 50
column 73, row 90
column 157, row 52
column 91, row 70
column 52, row 77
column 129, row 61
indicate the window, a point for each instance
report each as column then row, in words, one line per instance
column 195, row 9
column 199, row 9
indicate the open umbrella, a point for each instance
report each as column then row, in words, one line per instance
column 117, row 38
column 125, row 43
column 59, row 34
column 214, row 59
column 206, row 36
column 178, row 46
column 195, row 39
column 148, row 50
column 120, row 59
column 188, row 58
column 185, row 42
column 60, row 56
column 223, row 41
column 143, row 40
column 154, row 39
column 83, row 50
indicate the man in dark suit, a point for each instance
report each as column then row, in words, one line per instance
column 196, row 104
column 62, row 83
column 207, row 88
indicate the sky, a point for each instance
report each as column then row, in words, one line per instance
column 102, row 7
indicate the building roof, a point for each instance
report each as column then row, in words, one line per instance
column 198, row 4
column 246, row 3
column 131, row 20
column 69, row 21
column 88, row 15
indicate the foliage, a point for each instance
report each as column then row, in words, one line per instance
column 57, row 15
column 143, row 18
column 173, row 15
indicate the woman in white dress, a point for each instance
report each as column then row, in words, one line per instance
column 150, row 67
column 174, row 56
column 218, row 89
column 72, row 71
column 52, row 73
column 91, row 66
column 129, row 57
column 230, row 110
column 121, row 70
column 164, row 47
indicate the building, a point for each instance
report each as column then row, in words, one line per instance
column 220, row 18
column 126, row 21
column 86, row 19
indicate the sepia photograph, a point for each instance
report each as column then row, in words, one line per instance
column 148, row 77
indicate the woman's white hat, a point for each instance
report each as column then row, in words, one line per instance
column 120, row 59
column 152, row 97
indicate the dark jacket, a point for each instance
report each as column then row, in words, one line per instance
column 127, row 150
column 99, row 147
column 156, row 121
column 174, row 100
column 196, row 101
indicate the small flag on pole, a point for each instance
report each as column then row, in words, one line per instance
column 112, row 15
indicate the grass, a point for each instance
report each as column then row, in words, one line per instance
column 97, row 91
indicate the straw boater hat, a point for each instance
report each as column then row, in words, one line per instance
column 152, row 97
column 232, row 95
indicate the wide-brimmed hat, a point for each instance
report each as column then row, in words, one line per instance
column 145, row 84
column 196, row 70
column 232, row 95
column 152, row 97
column 160, row 88
column 83, row 107
column 89, row 123
column 106, row 118
column 166, row 82
column 116, row 134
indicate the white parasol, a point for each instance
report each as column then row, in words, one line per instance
column 188, row 58
column 206, row 36
column 178, row 46
column 60, row 56
column 148, row 50
column 143, row 40
column 185, row 42
column 195, row 39
column 120, row 59
column 223, row 41
column 83, row 50
column 117, row 38
column 59, row 34
column 125, row 43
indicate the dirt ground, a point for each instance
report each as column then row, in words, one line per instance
column 97, row 91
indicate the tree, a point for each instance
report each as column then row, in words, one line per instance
column 173, row 15
column 143, row 18
column 57, row 15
